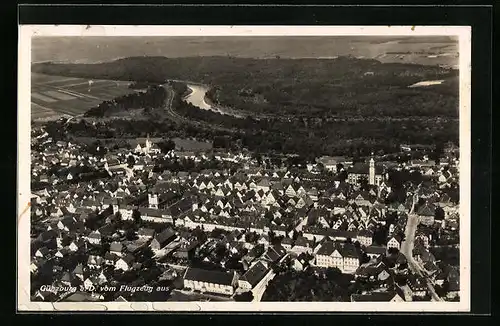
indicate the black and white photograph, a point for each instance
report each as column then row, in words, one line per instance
column 252, row 168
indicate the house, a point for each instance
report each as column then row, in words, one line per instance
column 394, row 242
column 125, row 263
column 116, row 248
column 372, row 173
column 302, row 245
column 94, row 237
column 42, row 252
column 162, row 239
column 95, row 262
column 418, row 286
column 48, row 296
column 62, row 252
column 330, row 163
column 93, row 282
column 264, row 240
column 287, row 243
column 78, row 271
column 145, row 233
column 365, row 238
column 110, row 259
column 74, row 245
column 186, row 249
column 254, row 253
column 302, row 262
column 274, row 254
column 426, row 214
column 210, row 281
column 382, row 296
column 264, row 185
column 453, row 279
column 67, row 279
column 341, row 256
column 66, row 224
column 253, row 275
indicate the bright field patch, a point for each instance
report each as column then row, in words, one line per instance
column 60, row 95
column 43, row 98
column 71, row 96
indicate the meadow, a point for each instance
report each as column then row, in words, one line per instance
column 55, row 96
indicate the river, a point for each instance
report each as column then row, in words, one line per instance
column 197, row 98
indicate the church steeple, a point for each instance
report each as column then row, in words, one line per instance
column 371, row 171
column 148, row 144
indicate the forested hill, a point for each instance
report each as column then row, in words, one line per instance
column 313, row 87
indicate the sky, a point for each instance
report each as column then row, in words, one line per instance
column 422, row 49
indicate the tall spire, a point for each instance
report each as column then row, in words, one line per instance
column 148, row 143
column 371, row 171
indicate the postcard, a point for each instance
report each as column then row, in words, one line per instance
column 244, row 168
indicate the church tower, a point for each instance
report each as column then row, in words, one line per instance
column 371, row 172
column 147, row 146
column 153, row 200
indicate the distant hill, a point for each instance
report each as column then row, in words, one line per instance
column 345, row 85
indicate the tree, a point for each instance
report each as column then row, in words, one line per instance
column 365, row 258
column 393, row 251
column 364, row 183
column 136, row 216
column 130, row 161
column 380, row 235
column 439, row 213
column 438, row 152
column 343, row 175
column 333, row 273
column 244, row 297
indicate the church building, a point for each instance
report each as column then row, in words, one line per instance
column 371, row 171
column 148, row 148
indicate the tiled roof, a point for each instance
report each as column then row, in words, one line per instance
column 214, row 277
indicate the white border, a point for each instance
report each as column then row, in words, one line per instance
column 24, row 127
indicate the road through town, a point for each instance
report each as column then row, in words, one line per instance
column 407, row 250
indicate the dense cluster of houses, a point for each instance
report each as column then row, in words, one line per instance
column 265, row 215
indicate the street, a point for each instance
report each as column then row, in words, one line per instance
column 260, row 288
column 407, row 250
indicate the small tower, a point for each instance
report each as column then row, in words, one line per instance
column 147, row 147
column 153, row 201
column 371, row 172
column 116, row 206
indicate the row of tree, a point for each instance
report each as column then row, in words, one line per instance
column 152, row 98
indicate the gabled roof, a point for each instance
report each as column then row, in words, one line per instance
column 165, row 236
column 349, row 250
column 146, row 232
column 78, row 269
column 417, row 283
column 111, row 256
column 94, row 260
column 302, row 242
column 116, row 247
column 426, row 210
column 94, row 235
column 256, row 272
column 385, row 296
column 128, row 259
column 214, row 277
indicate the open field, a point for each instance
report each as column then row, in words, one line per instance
column 53, row 96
